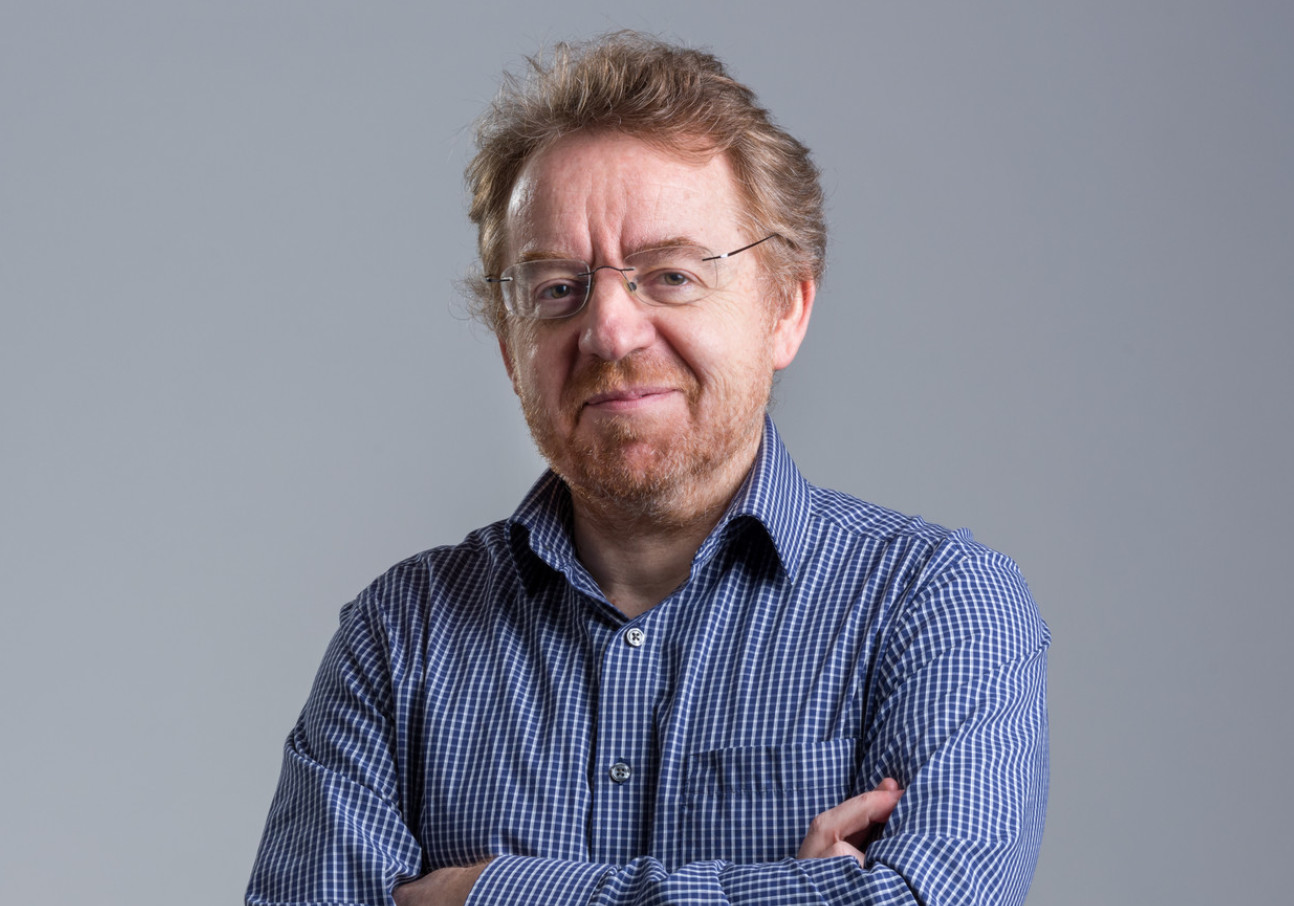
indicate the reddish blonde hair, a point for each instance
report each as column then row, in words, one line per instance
column 676, row 98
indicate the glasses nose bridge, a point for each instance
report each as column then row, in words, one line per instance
column 622, row 272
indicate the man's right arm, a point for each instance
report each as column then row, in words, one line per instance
column 336, row 832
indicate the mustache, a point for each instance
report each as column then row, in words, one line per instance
column 610, row 377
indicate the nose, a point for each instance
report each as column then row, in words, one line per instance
column 615, row 323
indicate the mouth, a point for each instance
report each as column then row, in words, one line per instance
column 626, row 398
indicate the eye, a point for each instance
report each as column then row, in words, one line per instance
column 671, row 284
column 557, row 297
column 674, row 275
column 556, row 291
column 669, row 276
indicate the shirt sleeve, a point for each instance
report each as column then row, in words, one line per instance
column 335, row 833
column 960, row 719
column 956, row 713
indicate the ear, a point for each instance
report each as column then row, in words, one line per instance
column 793, row 323
column 507, row 360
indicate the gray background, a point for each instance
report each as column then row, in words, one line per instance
column 237, row 383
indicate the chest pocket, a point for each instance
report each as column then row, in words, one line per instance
column 754, row 803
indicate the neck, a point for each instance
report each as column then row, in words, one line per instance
column 640, row 554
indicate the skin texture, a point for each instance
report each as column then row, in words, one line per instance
column 653, row 415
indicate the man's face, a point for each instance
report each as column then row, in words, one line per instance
column 651, row 409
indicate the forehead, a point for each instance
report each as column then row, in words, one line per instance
column 603, row 193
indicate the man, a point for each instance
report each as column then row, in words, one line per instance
column 679, row 672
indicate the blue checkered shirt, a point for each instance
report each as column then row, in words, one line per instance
column 487, row 700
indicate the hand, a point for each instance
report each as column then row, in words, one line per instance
column 845, row 829
column 442, row 887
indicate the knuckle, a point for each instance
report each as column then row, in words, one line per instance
column 822, row 826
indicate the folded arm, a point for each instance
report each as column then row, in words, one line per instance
column 840, row 831
column 955, row 713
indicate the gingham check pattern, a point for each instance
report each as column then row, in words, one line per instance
column 476, row 697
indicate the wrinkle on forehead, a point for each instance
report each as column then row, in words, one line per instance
column 586, row 196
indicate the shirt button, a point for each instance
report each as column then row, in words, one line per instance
column 620, row 772
column 635, row 637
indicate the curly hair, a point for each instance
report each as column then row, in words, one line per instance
column 672, row 97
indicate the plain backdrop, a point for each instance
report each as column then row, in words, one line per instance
column 237, row 382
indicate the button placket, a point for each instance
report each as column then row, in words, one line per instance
column 622, row 798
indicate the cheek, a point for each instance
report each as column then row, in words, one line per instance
column 726, row 349
column 539, row 365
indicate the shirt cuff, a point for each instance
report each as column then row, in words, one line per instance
column 514, row 879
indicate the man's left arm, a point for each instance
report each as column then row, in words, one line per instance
column 958, row 714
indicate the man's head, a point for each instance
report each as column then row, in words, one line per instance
column 671, row 97
column 646, row 392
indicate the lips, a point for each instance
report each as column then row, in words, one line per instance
column 626, row 385
column 625, row 395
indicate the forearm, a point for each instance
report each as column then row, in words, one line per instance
column 513, row 879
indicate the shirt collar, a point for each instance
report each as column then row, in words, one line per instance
column 775, row 495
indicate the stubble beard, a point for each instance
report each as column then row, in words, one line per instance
column 663, row 475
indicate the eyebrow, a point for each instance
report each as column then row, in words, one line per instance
column 544, row 255
column 667, row 242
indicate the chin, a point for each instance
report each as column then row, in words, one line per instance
column 667, row 474
column 638, row 480
column 662, row 499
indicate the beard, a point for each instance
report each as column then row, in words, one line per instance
column 640, row 468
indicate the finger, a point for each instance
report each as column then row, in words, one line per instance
column 845, row 849
column 856, row 813
column 849, row 819
column 865, row 838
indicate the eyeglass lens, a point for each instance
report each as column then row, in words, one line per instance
column 559, row 288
